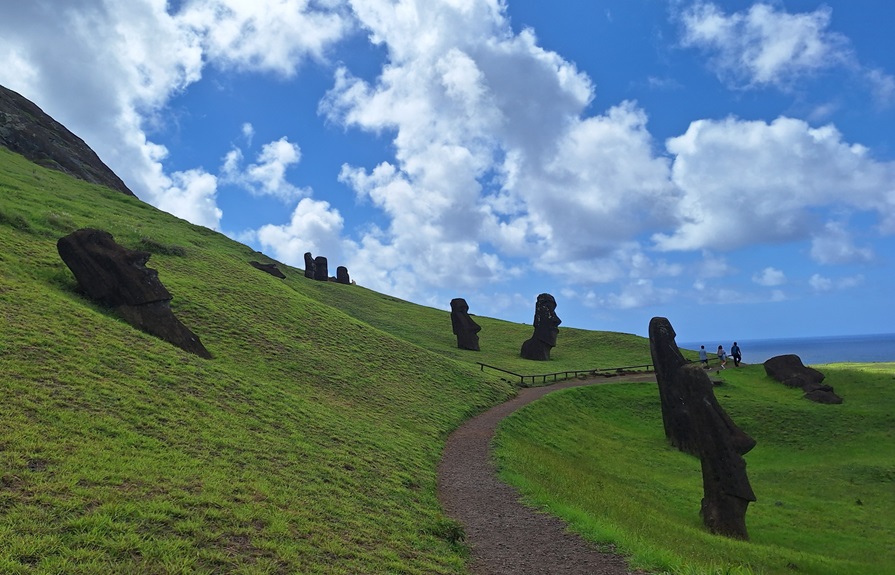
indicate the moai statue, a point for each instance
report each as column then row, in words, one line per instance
column 465, row 329
column 342, row 275
column 546, row 328
column 309, row 265
column 114, row 276
column 697, row 424
column 321, row 269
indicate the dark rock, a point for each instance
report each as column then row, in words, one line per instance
column 117, row 277
column 464, row 327
column 823, row 396
column 342, row 275
column 272, row 269
column 27, row 130
column 309, row 265
column 697, row 424
column 546, row 328
column 790, row 371
column 321, row 269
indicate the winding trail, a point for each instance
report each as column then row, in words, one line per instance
column 506, row 536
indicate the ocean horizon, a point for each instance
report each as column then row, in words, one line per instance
column 870, row 348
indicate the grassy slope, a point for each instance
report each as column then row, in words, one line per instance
column 824, row 475
column 308, row 444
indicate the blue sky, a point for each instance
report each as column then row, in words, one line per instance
column 728, row 165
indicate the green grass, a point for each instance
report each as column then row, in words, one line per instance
column 308, row 444
column 824, row 475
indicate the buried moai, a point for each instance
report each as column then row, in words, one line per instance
column 309, row 265
column 696, row 423
column 321, row 269
column 342, row 276
column 464, row 327
column 546, row 328
column 117, row 277
column 790, row 371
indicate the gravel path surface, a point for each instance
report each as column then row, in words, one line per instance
column 505, row 536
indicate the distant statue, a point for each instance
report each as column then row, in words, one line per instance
column 546, row 328
column 272, row 269
column 117, row 277
column 696, row 423
column 321, row 269
column 309, row 265
column 342, row 275
column 465, row 329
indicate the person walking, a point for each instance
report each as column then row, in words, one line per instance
column 722, row 356
column 736, row 353
column 703, row 357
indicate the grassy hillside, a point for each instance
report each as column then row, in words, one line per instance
column 308, row 444
column 824, row 475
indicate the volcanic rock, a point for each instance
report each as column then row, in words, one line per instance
column 546, row 328
column 29, row 131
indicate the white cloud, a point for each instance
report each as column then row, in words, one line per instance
column 248, row 132
column 748, row 182
column 493, row 157
column 314, row 227
column 835, row 246
column 191, row 195
column 267, row 176
column 764, row 45
column 106, row 70
column 769, row 277
column 821, row 283
column 767, row 46
column 269, row 35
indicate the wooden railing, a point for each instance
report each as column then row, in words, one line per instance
column 561, row 375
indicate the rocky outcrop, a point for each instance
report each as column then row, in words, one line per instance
column 696, row 423
column 790, row 371
column 27, row 130
column 546, row 328
column 117, row 277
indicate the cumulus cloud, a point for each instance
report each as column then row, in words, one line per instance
column 764, row 45
column 835, row 246
column 269, row 35
column 494, row 159
column 749, row 182
column 768, row 46
column 267, row 176
column 769, row 277
column 106, row 70
column 314, row 227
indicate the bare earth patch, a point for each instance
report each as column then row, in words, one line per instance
column 506, row 536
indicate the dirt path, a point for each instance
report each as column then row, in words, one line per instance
column 507, row 537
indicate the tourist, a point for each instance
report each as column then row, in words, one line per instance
column 736, row 353
column 703, row 358
column 722, row 356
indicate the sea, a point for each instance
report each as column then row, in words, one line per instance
column 812, row 350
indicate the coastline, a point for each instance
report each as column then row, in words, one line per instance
column 868, row 348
